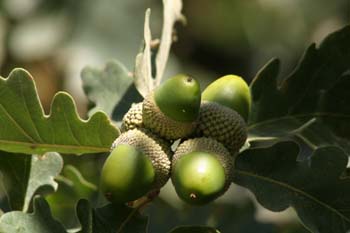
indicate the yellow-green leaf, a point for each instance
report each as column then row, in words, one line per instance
column 25, row 128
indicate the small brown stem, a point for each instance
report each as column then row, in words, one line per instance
column 139, row 204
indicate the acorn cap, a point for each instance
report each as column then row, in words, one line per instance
column 155, row 120
column 139, row 146
column 223, row 124
column 231, row 91
column 202, row 170
column 133, row 118
column 179, row 98
column 156, row 148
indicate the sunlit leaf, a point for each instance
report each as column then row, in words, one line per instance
column 143, row 69
column 171, row 14
column 24, row 128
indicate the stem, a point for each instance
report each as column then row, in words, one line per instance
column 142, row 203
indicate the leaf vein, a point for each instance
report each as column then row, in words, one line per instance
column 294, row 189
column 30, row 115
column 316, row 114
column 70, row 129
column 62, row 146
column 21, row 130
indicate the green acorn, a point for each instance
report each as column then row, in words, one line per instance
column 223, row 124
column 231, row 91
column 172, row 109
column 201, row 170
column 139, row 163
column 133, row 118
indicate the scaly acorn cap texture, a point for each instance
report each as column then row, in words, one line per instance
column 172, row 109
column 201, row 170
column 126, row 174
column 156, row 148
column 223, row 124
column 133, row 118
column 231, row 91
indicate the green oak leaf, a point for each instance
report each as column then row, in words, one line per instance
column 72, row 187
column 110, row 219
column 110, row 89
column 82, row 187
column 26, row 175
column 40, row 221
column 194, row 229
column 315, row 186
column 317, row 91
column 24, row 128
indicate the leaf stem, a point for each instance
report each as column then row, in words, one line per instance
column 140, row 204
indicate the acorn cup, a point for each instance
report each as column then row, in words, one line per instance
column 201, row 170
column 230, row 91
column 133, row 118
column 138, row 164
column 171, row 110
column 222, row 124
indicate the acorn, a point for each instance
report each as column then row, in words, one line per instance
column 138, row 164
column 133, row 118
column 231, row 91
column 223, row 124
column 171, row 110
column 201, row 170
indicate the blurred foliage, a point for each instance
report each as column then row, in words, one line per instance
column 54, row 40
column 240, row 36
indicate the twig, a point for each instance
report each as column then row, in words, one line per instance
column 142, row 203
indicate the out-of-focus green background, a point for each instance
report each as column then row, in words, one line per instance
column 54, row 40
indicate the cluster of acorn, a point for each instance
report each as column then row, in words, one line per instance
column 210, row 127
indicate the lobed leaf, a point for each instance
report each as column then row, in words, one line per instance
column 40, row 221
column 316, row 187
column 110, row 89
column 72, row 186
column 315, row 92
column 43, row 170
column 24, row 128
column 26, row 175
